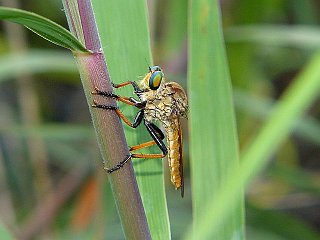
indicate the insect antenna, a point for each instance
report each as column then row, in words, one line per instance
column 148, row 64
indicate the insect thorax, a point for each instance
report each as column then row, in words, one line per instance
column 165, row 104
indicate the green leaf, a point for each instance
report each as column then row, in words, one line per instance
column 44, row 27
column 213, row 136
column 296, row 100
column 124, row 33
column 282, row 120
column 261, row 108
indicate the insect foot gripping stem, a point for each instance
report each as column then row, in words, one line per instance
column 106, row 107
column 97, row 91
column 119, row 165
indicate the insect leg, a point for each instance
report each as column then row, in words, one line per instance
column 157, row 135
column 138, row 104
column 133, row 83
column 157, row 130
column 130, row 101
column 138, row 119
column 150, row 143
column 136, row 122
column 142, row 145
column 119, row 165
column 147, row 155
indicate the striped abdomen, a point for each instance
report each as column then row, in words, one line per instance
column 174, row 139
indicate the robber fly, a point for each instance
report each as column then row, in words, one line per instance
column 158, row 100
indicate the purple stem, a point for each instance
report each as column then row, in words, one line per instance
column 109, row 130
column 90, row 31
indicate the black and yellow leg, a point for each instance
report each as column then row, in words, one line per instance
column 136, row 155
column 145, row 155
column 157, row 136
column 119, row 165
column 126, row 100
column 142, row 145
column 136, row 122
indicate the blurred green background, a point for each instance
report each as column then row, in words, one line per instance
column 51, row 179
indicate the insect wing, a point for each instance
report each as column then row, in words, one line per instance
column 181, row 98
column 178, row 91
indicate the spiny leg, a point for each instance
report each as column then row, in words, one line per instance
column 136, row 155
column 154, row 131
column 136, row 122
column 119, row 165
column 127, row 100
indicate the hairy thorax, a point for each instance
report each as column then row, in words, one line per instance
column 166, row 103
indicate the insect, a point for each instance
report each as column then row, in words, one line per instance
column 158, row 100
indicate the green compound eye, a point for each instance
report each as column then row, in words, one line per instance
column 155, row 80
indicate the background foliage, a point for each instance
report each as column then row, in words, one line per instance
column 47, row 145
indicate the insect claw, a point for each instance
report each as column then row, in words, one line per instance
column 96, row 91
column 94, row 104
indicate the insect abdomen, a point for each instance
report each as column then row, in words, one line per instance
column 175, row 153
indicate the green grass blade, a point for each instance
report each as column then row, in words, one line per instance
column 261, row 108
column 286, row 114
column 296, row 100
column 125, row 39
column 44, row 27
column 213, row 137
column 36, row 61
